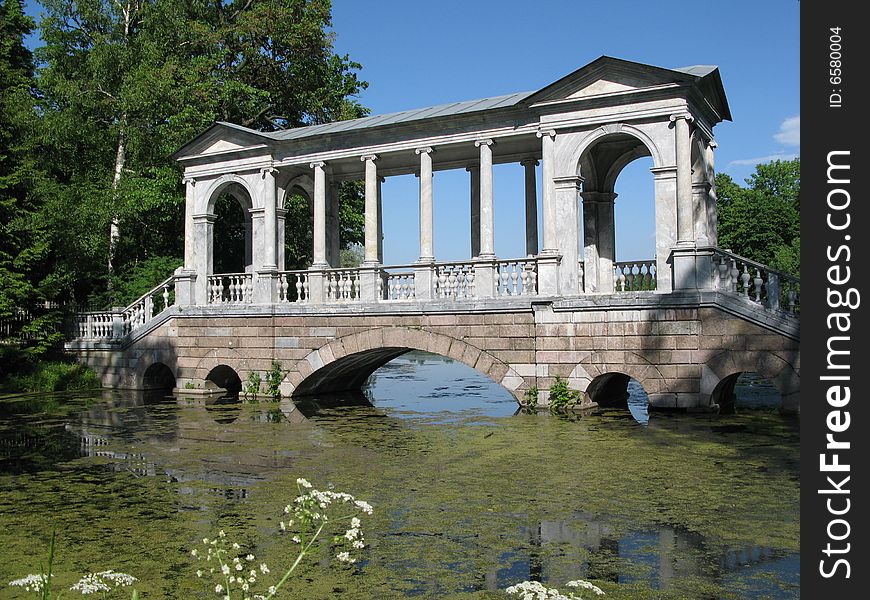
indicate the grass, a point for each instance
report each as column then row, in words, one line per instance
column 20, row 372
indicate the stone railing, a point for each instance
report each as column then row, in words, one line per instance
column 454, row 281
column 755, row 281
column 116, row 323
column 231, row 288
column 517, row 277
column 634, row 276
column 293, row 286
column 341, row 285
column 397, row 285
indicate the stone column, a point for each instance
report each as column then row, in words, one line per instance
column 281, row 215
column 203, row 234
column 548, row 170
column 427, row 252
column 567, row 231
column 380, row 222
column 474, row 171
column 711, row 208
column 270, row 226
column 189, row 208
column 531, row 207
column 316, row 279
column 599, row 252
column 319, row 255
column 333, row 230
column 665, row 182
column 487, row 244
column 685, row 221
column 371, row 210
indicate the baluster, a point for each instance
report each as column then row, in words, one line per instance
column 299, row 297
column 773, row 291
column 621, row 280
column 792, row 300
column 345, row 285
column 734, row 274
column 165, row 296
column 757, row 283
column 249, row 289
column 515, row 276
column 744, row 279
column 329, row 287
column 305, row 286
column 723, row 274
column 284, row 287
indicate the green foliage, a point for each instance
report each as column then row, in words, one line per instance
column 352, row 256
column 20, row 372
column 87, row 141
column 561, row 396
column 252, row 387
column 531, row 397
column 762, row 221
column 274, row 377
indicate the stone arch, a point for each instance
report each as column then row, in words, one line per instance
column 302, row 182
column 630, row 364
column 345, row 362
column 615, row 129
column 149, row 357
column 158, row 376
column 222, row 356
column 778, row 369
column 219, row 185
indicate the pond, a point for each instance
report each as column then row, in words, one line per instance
column 470, row 496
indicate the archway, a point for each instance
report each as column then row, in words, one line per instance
column 224, row 377
column 232, row 243
column 298, row 238
column 746, row 390
column 615, row 390
column 158, row 377
column 618, row 258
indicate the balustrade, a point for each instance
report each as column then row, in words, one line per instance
column 755, row 282
column 342, row 285
column 397, row 286
column 454, row 281
column 230, row 288
column 634, row 276
column 293, row 286
column 517, row 277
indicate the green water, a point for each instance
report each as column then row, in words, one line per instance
column 468, row 497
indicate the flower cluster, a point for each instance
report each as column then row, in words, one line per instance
column 104, row 581
column 534, row 590
column 310, row 512
column 31, row 583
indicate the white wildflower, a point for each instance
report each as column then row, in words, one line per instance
column 345, row 557
column 263, row 568
column 218, row 588
column 31, row 583
column 249, row 557
column 304, row 483
column 585, row 585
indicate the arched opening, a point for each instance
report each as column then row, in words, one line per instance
column 619, row 236
column 224, row 377
column 618, row 391
column 232, row 241
column 745, row 390
column 158, row 377
column 298, row 230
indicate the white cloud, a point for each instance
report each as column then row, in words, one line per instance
column 789, row 132
column 763, row 159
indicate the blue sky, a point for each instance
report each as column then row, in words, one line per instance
column 417, row 54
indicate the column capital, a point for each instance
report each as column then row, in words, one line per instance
column 382, row 179
column 270, row 170
column 205, row 218
column 713, row 144
column 530, row 162
column 369, row 157
column 424, row 150
column 486, row 142
column 319, row 164
column 571, row 181
column 473, row 167
column 191, row 180
column 674, row 117
column 551, row 133
column 594, row 197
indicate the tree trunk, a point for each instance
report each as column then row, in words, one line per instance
column 120, row 158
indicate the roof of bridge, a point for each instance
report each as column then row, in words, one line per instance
column 705, row 76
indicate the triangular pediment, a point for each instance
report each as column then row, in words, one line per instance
column 222, row 138
column 609, row 76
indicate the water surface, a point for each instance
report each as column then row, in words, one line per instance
column 469, row 497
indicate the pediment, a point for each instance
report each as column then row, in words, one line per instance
column 222, row 138
column 609, row 76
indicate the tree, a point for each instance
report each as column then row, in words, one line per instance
column 126, row 82
column 762, row 221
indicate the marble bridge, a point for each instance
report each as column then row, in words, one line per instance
column 684, row 323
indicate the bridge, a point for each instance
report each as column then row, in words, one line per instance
column 684, row 323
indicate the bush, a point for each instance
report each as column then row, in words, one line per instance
column 561, row 396
column 19, row 372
